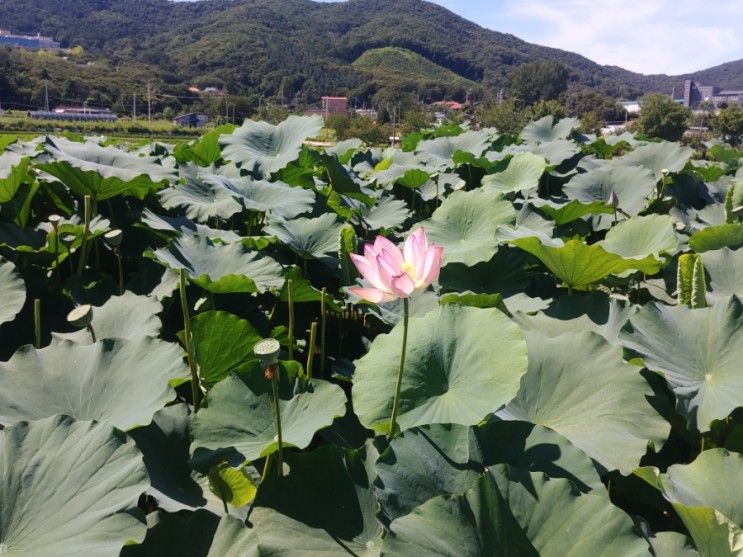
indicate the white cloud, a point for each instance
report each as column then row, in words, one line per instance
column 648, row 36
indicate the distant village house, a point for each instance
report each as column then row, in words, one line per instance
column 31, row 42
column 75, row 113
column 330, row 106
column 191, row 120
column 696, row 94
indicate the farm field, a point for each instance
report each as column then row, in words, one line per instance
column 483, row 344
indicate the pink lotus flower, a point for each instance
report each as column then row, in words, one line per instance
column 391, row 273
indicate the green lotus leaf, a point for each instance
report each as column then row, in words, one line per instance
column 176, row 534
column 698, row 351
column 205, row 150
column 236, row 420
column 308, row 238
column 389, row 213
column 265, row 148
column 109, row 381
column 440, row 150
column 631, row 184
column 275, row 534
column 503, row 274
column 657, row 157
column 672, row 544
column 572, row 210
column 221, row 268
column 466, row 225
column 13, row 172
column 640, row 237
column 546, row 129
column 725, row 268
column 702, row 495
column 103, row 172
column 277, row 198
column 462, row 364
column 200, row 198
column 514, row 512
column 523, row 172
column 127, row 316
column 180, row 226
column 304, row 292
column 344, row 150
column 434, row 460
column 69, row 488
column 222, row 342
column 717, row 237
column 12, row 291
column 329, row 488
column 556, row 152
column 164, row 444
column 579, row 265
column 590, row 396
column 578, row 312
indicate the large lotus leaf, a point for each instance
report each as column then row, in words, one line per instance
column 222, row 342
column 698, row 351
column 725, row 268
column 704, row 495
column 462, row 363
column 639, row 237
column 657, row 157
column 103, row 172
column 578, row 312
column 277, row 198
column 123, row 382
column 717, row 237
column 236, row 420
column 266, row 148
column 172, row 534
column 200, row 199
column 221, row 268
column 389, row 213
column 466, row 225
column 440, row 150
column 503, row 274
column 12, row 291
column 329, row 488
column 523, row 172
column 579, row 265
column 127, row 316
column 672, row 544
column 13, row 172
column 183, row 226
column 572, row 210
column 205, row 150
column 589, row 395
column 308, row 238
column 546, row 129
column 424, row 462
column 512, row 512
column 273, row 534
column 164, row 444
column 68, row 489
column 631, row 184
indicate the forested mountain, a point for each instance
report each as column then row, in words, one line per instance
column 295, row 50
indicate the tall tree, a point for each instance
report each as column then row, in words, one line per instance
column 538, row 81
column 661, row 117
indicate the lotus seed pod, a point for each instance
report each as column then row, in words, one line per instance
column 68, row 239
column 113, row 237
column 267, row 351
column 738, row 211
column 81, row 316
column 613, row 200
column 680, row 226
column 664, row 172
column 55, row 220
column 698, row 285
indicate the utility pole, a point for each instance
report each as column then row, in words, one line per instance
column 226, row 111
column 149, row 102
column 46, row 95
column 134, row 107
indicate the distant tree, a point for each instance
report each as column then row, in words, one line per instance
column 581, row 101
column 369, row 131
column 537, row 81
column 415, row 120
column 506, row 117
column 661, row 117
column 590, row 123
column 340, row 125
column 728, row 123
column 545, row 108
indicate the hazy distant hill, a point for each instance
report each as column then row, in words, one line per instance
column 302, row 49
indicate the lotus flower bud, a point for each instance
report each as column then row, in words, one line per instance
column 613, row 200
column 113, row 237
column 81, row 316
column 267, row 352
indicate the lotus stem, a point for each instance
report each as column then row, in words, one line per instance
column 195, row 385
column 37, row 323
column 290, row 301
column 266, row 467
column 398, row 387
column 311, row 352
column 322, row 331
column 277, row 411
column 121, row 270
column 86, row 232
column 92, row 332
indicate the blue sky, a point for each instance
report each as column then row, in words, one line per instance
column 648, row 36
